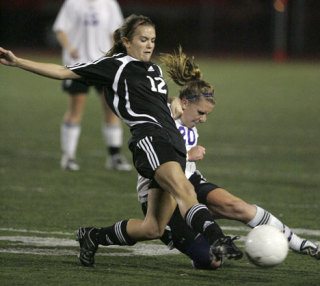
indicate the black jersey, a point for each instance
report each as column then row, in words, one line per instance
column 136, row 92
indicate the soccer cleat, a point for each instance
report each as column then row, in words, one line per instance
column 224, row 248
column 118, row 162
column 88, row 246
column 310, row 248
column 69, row 164
column 315, row 252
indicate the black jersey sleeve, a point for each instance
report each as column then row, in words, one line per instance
column 99, row 72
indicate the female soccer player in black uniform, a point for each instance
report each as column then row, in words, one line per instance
column 137, row 93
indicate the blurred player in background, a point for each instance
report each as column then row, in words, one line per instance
column 84, row 30
column 195, row 105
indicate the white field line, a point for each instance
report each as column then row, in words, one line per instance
column 142, row 249
column 299, row 231
column 151, row 251
column 36, row 245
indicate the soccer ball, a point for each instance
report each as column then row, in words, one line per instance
column 266, row 246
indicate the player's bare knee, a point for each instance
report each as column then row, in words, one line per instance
column 154, row 232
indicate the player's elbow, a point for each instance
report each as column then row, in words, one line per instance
column 65, row 73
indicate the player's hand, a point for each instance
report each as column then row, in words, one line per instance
column 196, row 153
column 176, row 108
column 7, row 57
column 74, row 53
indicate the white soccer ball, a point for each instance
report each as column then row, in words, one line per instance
column 266, row 246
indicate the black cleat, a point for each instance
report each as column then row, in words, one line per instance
column 88, row 246
column 224, row 248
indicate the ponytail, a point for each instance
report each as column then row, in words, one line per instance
column 186, row 73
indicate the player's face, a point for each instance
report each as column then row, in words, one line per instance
column 142, row 44
column 195, row 112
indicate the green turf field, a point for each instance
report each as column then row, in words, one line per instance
column 263, row 144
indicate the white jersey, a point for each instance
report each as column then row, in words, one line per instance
column 89, row 26
column 190, row 137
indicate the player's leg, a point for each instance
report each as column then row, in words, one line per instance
column 223, row 204
column 151, row 156
column 128, row 232
column 296, row 243
column 166, row 165
column 112, row 133
column 178, row 235
column 161, row 206
column 71, row 126
column 171, row 177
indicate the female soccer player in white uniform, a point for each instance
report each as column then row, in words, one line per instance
column 84, row 29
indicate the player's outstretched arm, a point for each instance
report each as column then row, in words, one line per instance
column 45, row 69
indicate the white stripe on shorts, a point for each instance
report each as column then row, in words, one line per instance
column 147, row 147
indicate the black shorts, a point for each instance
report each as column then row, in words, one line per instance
column 150, row 152
column 76, row 86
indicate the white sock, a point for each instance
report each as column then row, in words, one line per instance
column 69, row 137
column 112, row 135
column 264, row 217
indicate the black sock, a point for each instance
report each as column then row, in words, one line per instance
column 114, row 150
column 200, row 220
column 115, row 234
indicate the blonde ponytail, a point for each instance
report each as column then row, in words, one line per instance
column 180, row 67
column 186, row 73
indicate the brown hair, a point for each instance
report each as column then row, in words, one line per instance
column 126, row 31
column 186, row 73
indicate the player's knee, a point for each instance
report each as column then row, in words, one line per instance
column 154, row 232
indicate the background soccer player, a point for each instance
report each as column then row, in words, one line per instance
column 84, row 29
